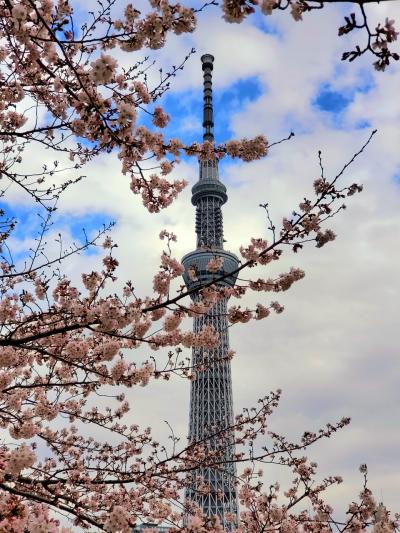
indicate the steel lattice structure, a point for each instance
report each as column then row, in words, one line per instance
column 211, row 408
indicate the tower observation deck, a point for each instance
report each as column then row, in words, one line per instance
column 211, row 408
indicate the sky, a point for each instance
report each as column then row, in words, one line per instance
column 334, row 351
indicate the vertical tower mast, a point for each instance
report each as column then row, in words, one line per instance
column 211, row 408
column 208, row 116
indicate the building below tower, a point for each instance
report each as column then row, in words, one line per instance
column 145, row 527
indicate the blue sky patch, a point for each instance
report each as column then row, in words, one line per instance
column 232, row 99
column 363, row 124
column 336, row 101
column 89, row 223
column 332, row 101
column 187, row 109
column 266, row 24
column 29, row 226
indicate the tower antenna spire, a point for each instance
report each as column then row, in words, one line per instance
column 208, row 116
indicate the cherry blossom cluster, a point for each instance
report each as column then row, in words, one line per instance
column 215, row 264
column 16, row 516
column 236, row 314
column 282, row 283
column 21, row 458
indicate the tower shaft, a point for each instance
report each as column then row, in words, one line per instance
column 211, row 411
column 211, row 407
column 209, row 223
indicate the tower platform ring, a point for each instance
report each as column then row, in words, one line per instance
column 208, row 187
column 199, row 259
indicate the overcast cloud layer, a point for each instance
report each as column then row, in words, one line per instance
column 334, row 351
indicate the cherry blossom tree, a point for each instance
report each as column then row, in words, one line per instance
column 63, row 346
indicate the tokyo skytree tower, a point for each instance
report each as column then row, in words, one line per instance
column 211, row 392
